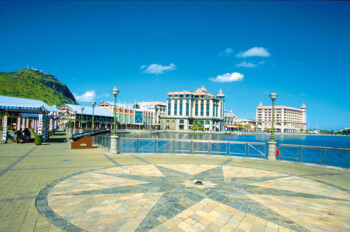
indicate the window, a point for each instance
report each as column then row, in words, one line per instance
column 202, row 108
column 207, row 108
column 169, row 108
column 196, row 109
column 180, row 108
column 187, row 107
column 138, row 117
column 175, row 109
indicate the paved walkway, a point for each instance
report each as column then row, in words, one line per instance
column 53, row 188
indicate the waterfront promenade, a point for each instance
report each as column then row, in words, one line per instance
column 53, row 188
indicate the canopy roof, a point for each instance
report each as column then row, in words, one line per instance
column 88, row 110
column 24, row 105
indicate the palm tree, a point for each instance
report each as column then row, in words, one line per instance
column 194, row 125
column 201, row 127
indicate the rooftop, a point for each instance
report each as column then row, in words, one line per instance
column 200, row 91
column 88, row 110
column 7, row 102
column 261, row 106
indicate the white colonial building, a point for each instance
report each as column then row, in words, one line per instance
column 287, row 119
column 186, row 107
column 232, row 123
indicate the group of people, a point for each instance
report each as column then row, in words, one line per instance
column 18, row 136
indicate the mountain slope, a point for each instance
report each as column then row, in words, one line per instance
column 34, row 84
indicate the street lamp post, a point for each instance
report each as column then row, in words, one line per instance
column 273, row 97
column 93, row 111
column 114, row 137
column 75, row 122
column 272, row 143
column 81, row 119
column 115, row 92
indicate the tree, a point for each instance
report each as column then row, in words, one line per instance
column 201, row 126
column 194, row 125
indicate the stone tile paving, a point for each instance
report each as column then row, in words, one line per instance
column 173, row 202
column 53, row 188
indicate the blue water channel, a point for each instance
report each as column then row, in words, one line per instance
column 309, row 140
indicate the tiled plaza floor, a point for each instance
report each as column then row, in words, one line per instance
column 53, row 188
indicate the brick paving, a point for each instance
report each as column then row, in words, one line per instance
column 53, row 188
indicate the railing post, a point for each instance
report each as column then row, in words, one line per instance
column 174, row 146
column 137, row 146
column 245, row 150
column 324, row 156
column 347, row 159
column 191, row 147
column 228, row 149
column 248, row 149
column 301, row 155
column 156, row 145
column 209, row 148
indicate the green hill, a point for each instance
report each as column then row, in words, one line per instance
column 37, row 85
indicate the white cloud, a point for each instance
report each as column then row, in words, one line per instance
column 105, row 95
column 226, row 52
column 246, row 64
column 157, row 68
column 228, row 77
column 88, row 96
column 255, row 51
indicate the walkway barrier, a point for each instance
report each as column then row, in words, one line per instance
column 102, row 140
column 330, row 156
column 182, row 146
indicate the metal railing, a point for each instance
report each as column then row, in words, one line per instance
column 330, row 156
column 102, row 140
column 182, row 146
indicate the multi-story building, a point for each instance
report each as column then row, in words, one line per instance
column 287, row 119
column 229, row 121
column 157, row 108
column 185, row 107
column 232, row 123
column 129, row 117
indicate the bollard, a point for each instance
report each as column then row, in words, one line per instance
column 271, row 150
column 114, row 144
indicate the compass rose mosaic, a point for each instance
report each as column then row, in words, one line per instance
column 192, row 197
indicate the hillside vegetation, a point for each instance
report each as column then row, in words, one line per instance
column 27, row 83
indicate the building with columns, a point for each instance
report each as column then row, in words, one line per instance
column 287, row 119
column 185, row 107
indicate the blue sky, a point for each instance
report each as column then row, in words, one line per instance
column 248, row 49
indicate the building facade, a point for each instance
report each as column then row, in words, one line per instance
column 232, row 123
column 186, row 107
column 287, row 119
column 158, row 109
column 129, row 117
column 73, row 116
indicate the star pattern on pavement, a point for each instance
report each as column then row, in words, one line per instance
column 164, row 197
